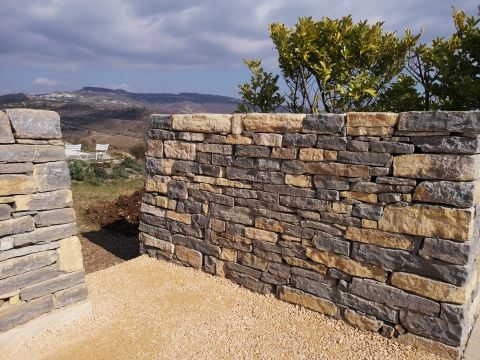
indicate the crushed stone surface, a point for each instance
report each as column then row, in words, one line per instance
column 150, row 309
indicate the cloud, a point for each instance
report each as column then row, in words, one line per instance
column 42, row 81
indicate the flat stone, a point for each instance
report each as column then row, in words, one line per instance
column 371, row 119
column 368, row 307
column 16, row 266
column 43, row 201
column 154, row 148
column 461, row 194
column 179, row 150
column 447, row 144
column 70, row 255
column 17, row 225
column 16, row 168
column 159, row 121
column 263, row 235
column 253, row 151
column 363, row 158
column 162, row 166
column 454, row 121
column 70, row 296
column 189, row 256
column 55, row 217
column 299, row 140
column 430, row 221
column 331, row 182
column 298, row 180
column 334, row 169
column 311, row 154
column 356, row 145
column 380, row 238
column 306, row 300
column 35, row 124
column 16, row 153
column 51, row 176
column 21, row 314
column 391, row 147
column 435, row 347
column 5, row 211
column 324, row 124
column 459, row 253
column 6, row 135
column 347, row 265
column 439, row 167
column 302, row 203
column 273, row 123
column 203, row 123
column 361, row 321
column 282, row 153
column 332, row 143
column 368, row 211
column 360, row 196
column 392, row 296
column 16, row 184
column 267, row 139
column 61, row 282
column 157, row 183
column 14, row 283
column 46, row 234
column 215, row 148
column 331, row 244
column 18, row 252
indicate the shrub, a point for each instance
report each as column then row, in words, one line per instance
column 138, row 151
column 78, row 170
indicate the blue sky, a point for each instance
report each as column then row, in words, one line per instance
column 172, row 45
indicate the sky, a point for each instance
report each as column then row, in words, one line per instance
column 173, row 45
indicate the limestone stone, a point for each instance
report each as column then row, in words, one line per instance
column 6, row 243
column 189, row 256
column 6, row 136
column 306, row 300
column 367, row 307
column 329, row 155
column 180, row 217
column 363, row 158
column 69, row 296
column 61, row 282
column 298, row 180
column 356, row 145
column 332, row 142
column 17, row 282
column 432, row 289
column 16, row 184
column 331, row 244
column 154, row 148
column 370, row 131
column 237, row 124
column 435, row 121
column 51, row 176
column 362, row 321
column 149, row 209
column 179, row 150
column 18, row 252
column 17, row 315
column 369, row 224
column 159, row 121
column 35, row 124
column 17, row 225
column 334, row 169
column 157, row 183
column 16, row 266
column 284, row 153
column 360, row 196
column 454, row 252
column 342, row 208
column 267, row 139
column 163, row 245
column 371, row 119
column 435, row 347
column 215, row 148
column 461, row 194
column 70, row 255
column 16, row 168
column 263, row 235
column 368, row 211
column 324, row 124
column 380, row 238
column 45, row 234
column 347, row 265
column 238, row 140
column 437, row 167
column 165, row 202
column 43, row 201
column 430, row 221
column 391, row 147
column 447, row 144
column 203, row 123
column 311, row 154
column 331, row 182
column 304, row 264
column 273, row 123
column 159, row 166
column 31, row 153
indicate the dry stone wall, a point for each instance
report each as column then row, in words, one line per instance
column 368, row 217
column 41, row 265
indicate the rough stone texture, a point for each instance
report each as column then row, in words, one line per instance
column 40, row 258
column 368, row 217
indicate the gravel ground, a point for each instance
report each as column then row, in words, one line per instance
column 149, row 309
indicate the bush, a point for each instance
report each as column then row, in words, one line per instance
column 132, row 164
column 78, row 170
column 138, row 151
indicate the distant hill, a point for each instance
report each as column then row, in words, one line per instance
column 115, row 111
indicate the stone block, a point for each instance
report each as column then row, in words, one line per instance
column 159, row 121
column 47, row 287
column 324, row 124
column 189, row 256
column 306, row 300
column 160, row 166
column 55, row 217
column 283, row 153
column 70, row 255
column 437, row 167
column 43, row 201
column 273, row 123
column 363, row 158
column 359, row 196
column 6, row 135
column 447, row 144
column 17, row 225
column 154, row 148
column 371, row 119
column 331, row 182
column 370, row 131
column 311, row 154
column 157, row 183
column 436, row 121
column 16, row 184
column 215, row 148
column 430, row 221
column 459, row 253
column 29, row 278
column 179, row 150
column 20, row 314
column 35, row 124
column 299, row 140
column 263, row 235
column 334, row 169
column 70, row 296
column 367, row 211
column 332, row 143
column 380, row 238
column 356, row 145
column 45, row 234
column 16, row 168
column 298, row 180
column 253, row 151
column 203, row 123
column 151, row 241
column 460, row 194
column 362, row 321
column 18, row 252
column 16, row 266
column 331, row 244
column 267, row 139
column 51, row 176
column 180, row 217
column 16, row 153
column 391, row 147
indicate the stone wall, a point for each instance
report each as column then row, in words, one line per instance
column 367, row 217
column 41, row 265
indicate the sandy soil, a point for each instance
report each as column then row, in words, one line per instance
column 149, row 309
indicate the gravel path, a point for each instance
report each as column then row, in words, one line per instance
column 149, row 309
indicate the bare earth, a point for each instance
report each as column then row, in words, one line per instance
column 149, row 309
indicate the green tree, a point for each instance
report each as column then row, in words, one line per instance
column 261, row 94
column 402, row 95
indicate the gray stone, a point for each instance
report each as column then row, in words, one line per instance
column 293, row 167
column 196, row 244
column 6, row 135
column 12, row 253
column 371, row 188
column 448, row 144
column 16, row 266
column 35, row 124
column 340, row 219
column 157, row 134
column 363, row 158
column 5, row 211
column 453, row 252
column 158, row 121
column 461, row 194
column 44, row 201
column 46, row 234
column 323, row 290
column 324, row 124
column 368, row 211
column 337, row 274
column 324, row 194
column 289, row 190
column 236, row 214
column 356, row 145
column 396, row 181
column 372, row 308
column 331, row 244
column 326, row 228
column 389, row 295
column 244, row 270
column 332, row 143
column 55, row 217
column 313, row 275
column 17, row 225
column 157, row 232
column 61, row 282
column 389, row 198
column 153, row 220
column 331, row 182
column 51, row 176
column 255, row 175
column 299, row 140
column 253, row 151
column 250, row 282
column 453, row 121
column 391, row 147
column 17, row 315
column 399, row 260
column 222, row 160
column 17, row 282
column 203, row 196
column 434, row 328
column 31, row 153
column 70, row 296
column 273, row 279
column 16, row 168
column 302, row 203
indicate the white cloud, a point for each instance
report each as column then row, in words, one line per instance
column 42, row 81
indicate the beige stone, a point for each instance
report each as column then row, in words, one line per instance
column 274, row 123
column 228, row 255
column 215, row 148
column 370, row 131
column 179, row 150
column 369, row 224
column 155, row 148
column 311, row 154
column 44, row 201
column 268, row 139
column 258, row 234
column 335, row 169
column 204, row 123
column 237, row 124
column 362, row 321
column 435, row 347
column 298, row 180
column 329, row 155
column 149, row 209
column 341, row 208
column 14, row 300
column 70, row 255
column 431, row 221
column 270, row 225
column 433, row 289
column 364, row 197
column 284, row 153
column 189, row 256
column 162, row 245
column 6, row 136
column 347, row 265
column 156, row 183
column 320, row 268
column 371, row 119
column 190, row 136
column 380, row 238
column 308, row 301
column 238, row 140
column 217, row 225
column 290, row 238
column 407, row 197
column 220, row 182
column 210, row 188
column 165, row 202
column 180, row 217
column 16, row 184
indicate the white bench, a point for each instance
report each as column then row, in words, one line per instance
column 74, row 151
column 101, row 152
